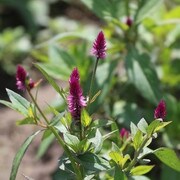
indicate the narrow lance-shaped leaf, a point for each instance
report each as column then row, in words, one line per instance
column 20, row 154
column 52, row 82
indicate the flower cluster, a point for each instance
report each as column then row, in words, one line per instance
column 160, row 111
column 22, row 79
column 99, row 47
column 76, row 100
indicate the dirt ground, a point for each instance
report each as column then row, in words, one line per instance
column 12, row 136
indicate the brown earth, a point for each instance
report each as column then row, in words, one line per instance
column 11, row 138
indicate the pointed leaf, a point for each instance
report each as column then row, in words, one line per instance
column 168, row 157
column 142, row 74
column 72, row 141
column 85, row 118
column 19, row 155
column 137, row 140
column 142, row 125
column 151, row 128
column 51, row 81
column 134, row 129
column 140, row 170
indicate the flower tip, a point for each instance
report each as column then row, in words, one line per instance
column 99, row 46
column 160, row 111
column 129, row 21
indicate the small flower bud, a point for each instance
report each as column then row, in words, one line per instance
column 160, row 111
column 124, row 133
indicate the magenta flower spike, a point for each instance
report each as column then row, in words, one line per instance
column 99, row 47
column 76, row 100
column 160, row 111
column 124, row 133
column 22, row 79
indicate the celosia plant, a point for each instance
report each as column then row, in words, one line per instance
column 83, row 137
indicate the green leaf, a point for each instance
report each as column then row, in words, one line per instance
column 142, row 125
column 18, row 103
column 145, row 151
column 142, row 74
column 116, row 157
column 72, row 141
column 105, row 8
column 25, row 121
column 118, row 174
column 101, row 123
column 46, row 141
column 162, row 125
column 151, row 128
column 147, row 8
column 137, row 140
column 134, row 129
column 19, row 155
column 140, row 170
column 93, row 162
column 51, row 81
column 168, row 157
column 85, row 118
column 97, row 141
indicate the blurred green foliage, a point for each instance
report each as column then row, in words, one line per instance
column 142, row 65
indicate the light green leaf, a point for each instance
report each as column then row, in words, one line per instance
column 168, row 157
column 142, row 74
column 151, row 128
column 137, row 140
column 142, row 125
column 18, row 103
column 19, row 155
column 72, row 141
column 134, row 129
column 145, row 151
column 162, row 125
column 25, row 121
column 147, row 8
column 116, row 157
column 85, row 118
column 140, row 170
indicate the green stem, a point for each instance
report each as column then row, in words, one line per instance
column 68, row 153
column 34, row 101
column 60, row 141
column 134, row 161
column 92, row 80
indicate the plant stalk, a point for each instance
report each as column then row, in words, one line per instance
column 92, row 80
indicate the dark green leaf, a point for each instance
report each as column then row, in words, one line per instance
column 20, row 154
column 118, row 174
column 46, row 141
column 142, row 74
column 168, row 157
column 93, row 162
